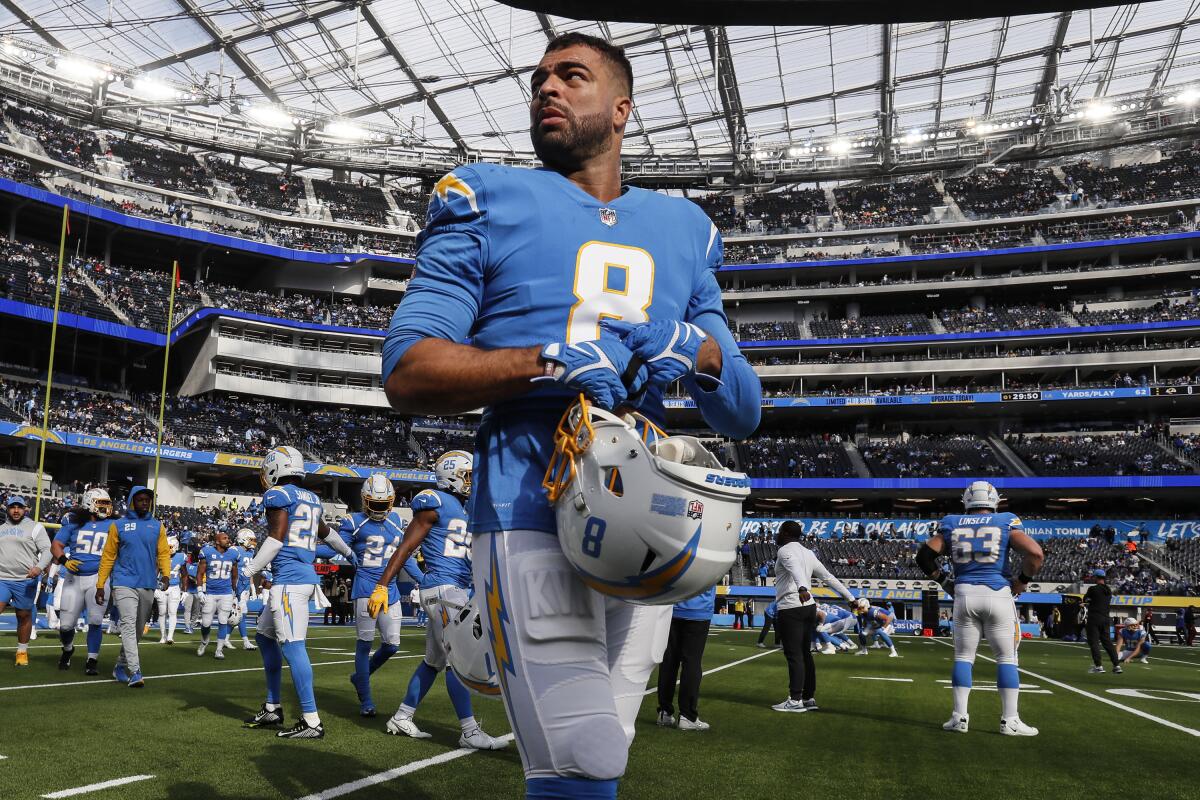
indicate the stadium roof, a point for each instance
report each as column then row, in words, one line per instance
column 455, row 72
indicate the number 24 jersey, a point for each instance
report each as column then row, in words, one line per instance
column 294, row 563
column 978, row 546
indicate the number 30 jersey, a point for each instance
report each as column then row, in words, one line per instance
column 447, row 547
column 978, row 545
column 294, row 563
column 523, row 257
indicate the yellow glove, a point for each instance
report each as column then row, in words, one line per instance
column 378, row 601
column 73, row 565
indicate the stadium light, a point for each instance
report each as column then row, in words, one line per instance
column 840, row 146
column 341, row 129
column 80, row 70
column 270, row 116
column 1188, row 96
column 152, row 89
column 1098, row 111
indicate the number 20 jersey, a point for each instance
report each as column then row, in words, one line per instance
column 523, row 257
column 294, row 563
column 447, row 547
column 978, row 547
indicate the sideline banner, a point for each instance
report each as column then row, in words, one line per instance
column 921, row 529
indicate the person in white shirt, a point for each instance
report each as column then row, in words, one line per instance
column 796, row 619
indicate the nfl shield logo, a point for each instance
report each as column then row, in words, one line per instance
column 695, row 509
column 608, row 216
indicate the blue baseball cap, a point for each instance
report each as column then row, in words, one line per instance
column 16, row 500
column 1097, row 573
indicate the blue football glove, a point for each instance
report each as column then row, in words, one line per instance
column 596, row 368
column 670, row 349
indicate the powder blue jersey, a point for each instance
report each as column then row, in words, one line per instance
column 294, row 563
column 978, row 546
column 373, row 543
column 244, row 559
column 1131, row 639
column 834, row 613
column 875, row 617
column 447, row 547
column 84, row 543
column 517, row 258
column 218, row 568
column 193, row 570
column 178, row 565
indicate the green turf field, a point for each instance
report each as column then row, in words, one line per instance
column 872, row 738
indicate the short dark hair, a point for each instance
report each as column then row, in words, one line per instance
column 789, row 532
column 612, row 53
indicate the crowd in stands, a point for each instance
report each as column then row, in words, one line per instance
column 793, row 456
column 885, row 205
column 159, row 165
column 1100, row 454
column 1162, row 311
column 885, row 325
column 1182, row 556
column 1001, row 318
column 273, row 191
column 1117, row 227
column 244, row 425
column 767, row 331
column 352, row 202
column 941, row 456
column 971, row 241
column 792, row 209
column 1174, row 177
column 1010, row 191
column 78, row 411
column 61, row 141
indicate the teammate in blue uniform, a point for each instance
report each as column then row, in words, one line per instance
column 1132, row 642
column 294, row 527
column 873, row 623
column 439, row 528
column 373, row 534
column 833, row 624
column 218, row 571
column 984, row 590
column 191, row 603
column 247, row 541
column 77, row 548
column 168, row 607
column 528, row 263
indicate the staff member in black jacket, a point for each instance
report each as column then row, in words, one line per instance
column 796, row 618
column 1096, row 599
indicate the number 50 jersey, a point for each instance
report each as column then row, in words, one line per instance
column 978, row 545
column 447, row 547
column 294, row 563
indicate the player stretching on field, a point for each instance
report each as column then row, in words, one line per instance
column 527, row 263
column 294, row 525
column 1133, row 642
column 984, row 591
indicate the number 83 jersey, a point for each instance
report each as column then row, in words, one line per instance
column 523, row 257
column 447, row 547
column 294, row 563
column 978, row 545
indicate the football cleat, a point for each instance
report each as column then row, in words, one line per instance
column 762, row 645
column 403, row 725
column 248, row 645
column 828, row 649
column 302, row 730
column 22, row 660
column 790, row 706
column 201, row 648
column 862, row 651
column 1144, row 660
column 893, row 654
column 1012, row 726
column 665, row 720
column 957, row 724
column 1096, row 670
column 219, row 655
column 136, row 681
column 64, row 661
column 265, row 718
column 1118, row 669
column 476, row 739
column 91, row 667
column 229, row 645
column 169, row 641
column 686, row 724
column 120, row 674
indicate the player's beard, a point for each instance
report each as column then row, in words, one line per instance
column 567, row 148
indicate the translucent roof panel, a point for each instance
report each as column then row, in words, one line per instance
column 458, row 70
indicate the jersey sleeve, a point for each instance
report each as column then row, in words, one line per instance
column 732, row 407
column 426, row 500
column 1014, row 523
column 276, row 497
column 444, row 296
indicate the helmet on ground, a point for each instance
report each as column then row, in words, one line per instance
column 173, row 544
column 378, row 496
column 453, row 471
column 246, row 538
column 468, row 651
column 97, row 502
column 281, row 462
column 980, row 494
column 645, row 517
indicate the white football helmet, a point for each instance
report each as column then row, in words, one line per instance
column 281, row 462
column 173, row 544
column 862, row 603
column 378, row 496
column 97, row 502
column 468, row 651
column 246, row 538
column 1130, row 622
column 645, row 517
column 980, row 494
column 453, row 471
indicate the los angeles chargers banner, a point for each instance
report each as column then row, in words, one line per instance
column 921, row 529
column 126, row 447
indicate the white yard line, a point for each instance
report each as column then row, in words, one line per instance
column 451, row 755
column 95, row 787
column 80, row 646
column 1135, row 711
column 869, row 678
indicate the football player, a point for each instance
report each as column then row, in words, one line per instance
column 191, row 605
column 985, row 592
column 168, row 607
column 873, row 622
column 77, row 548
column 439, row 528
column 373, row 534
column 294, row 527
column 1133, row 642
column 218, row 571
column 527, row 263
column 247, row 541
column 834, row 625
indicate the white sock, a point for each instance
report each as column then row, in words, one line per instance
column 405, row 711
column 961, row 694
column 93, row 655
column 271, row 706
column 468, row 724
column 22, row 647
column 312, row 718
column 1008, row 702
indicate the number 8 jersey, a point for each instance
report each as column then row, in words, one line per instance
column 979, row 547
column 294, row 563
column 447, row 547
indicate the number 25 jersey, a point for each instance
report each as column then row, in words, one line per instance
column 294, row 563
column 520, row 258
column 447, row 547
column 978, row 546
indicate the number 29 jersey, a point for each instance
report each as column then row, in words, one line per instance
column 447, row 547
column 978, row 545
column 294, row 563
column 523, row 257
